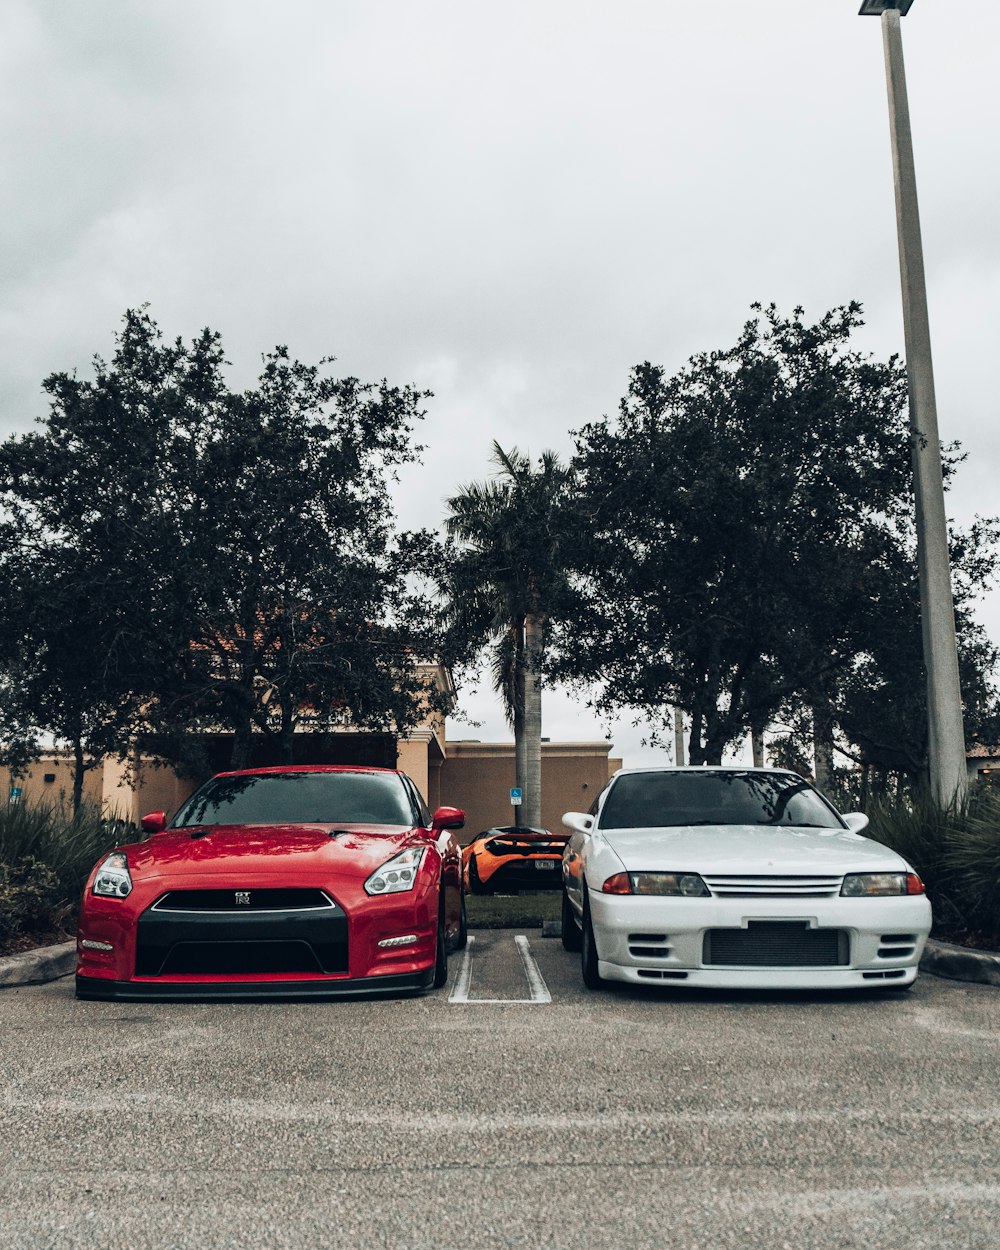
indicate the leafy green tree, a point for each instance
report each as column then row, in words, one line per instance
column 878, row 704
column 68, row 672
column 748, row 521
column 237, row 552
column 296, row 592
column 505, row 582
column 87, row 535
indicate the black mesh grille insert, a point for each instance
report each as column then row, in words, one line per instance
column 241, row 940
column 233, row 958
column 776, row 944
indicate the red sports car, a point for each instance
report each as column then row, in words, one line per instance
column 284, row 882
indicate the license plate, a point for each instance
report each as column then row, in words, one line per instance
column 546, row 865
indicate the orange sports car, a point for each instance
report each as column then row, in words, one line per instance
column 514, row 857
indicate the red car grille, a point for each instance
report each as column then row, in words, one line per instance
column 241, row 939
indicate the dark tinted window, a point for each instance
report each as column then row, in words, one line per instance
column 299, row 799
column 637, row 800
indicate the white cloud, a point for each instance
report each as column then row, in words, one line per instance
column 509, row 203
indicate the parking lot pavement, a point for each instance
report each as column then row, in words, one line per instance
column 626, row 1118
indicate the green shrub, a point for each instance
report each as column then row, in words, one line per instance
column 29, row 897
column 62, row 850
column 974, row 860
column 956, row 851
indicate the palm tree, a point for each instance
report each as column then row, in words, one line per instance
column 507, row 580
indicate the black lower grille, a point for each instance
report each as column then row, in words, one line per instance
column 241, row 941
column 233, row 958
column 776, row 944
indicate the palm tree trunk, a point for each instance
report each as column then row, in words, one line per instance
column 822, row 718
column 757, row 745
column 79, row 771
column 531, row 809
column 678, row 737
column 517, row 711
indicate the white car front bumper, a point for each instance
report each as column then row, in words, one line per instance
column 855, row 942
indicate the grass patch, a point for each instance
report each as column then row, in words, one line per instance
column 517, row 911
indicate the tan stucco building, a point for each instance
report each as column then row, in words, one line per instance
column 476, row 776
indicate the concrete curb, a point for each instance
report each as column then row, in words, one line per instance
column 47, row 963
column 961, row 963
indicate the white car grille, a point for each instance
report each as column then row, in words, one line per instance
column 776, row 944
column 741, row 885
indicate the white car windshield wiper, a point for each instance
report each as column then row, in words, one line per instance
column 793, row 824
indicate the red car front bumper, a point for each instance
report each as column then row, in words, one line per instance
column 193, row 937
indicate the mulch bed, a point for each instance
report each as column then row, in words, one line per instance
column 33, row 938
column 962, row 937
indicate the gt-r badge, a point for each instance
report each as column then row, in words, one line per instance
column 243, row 898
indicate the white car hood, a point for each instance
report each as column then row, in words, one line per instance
column 787, row 850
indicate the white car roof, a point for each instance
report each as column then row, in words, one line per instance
column 700, row 768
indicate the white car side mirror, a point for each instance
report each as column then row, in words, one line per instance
column 856, row 821
column 579, row 822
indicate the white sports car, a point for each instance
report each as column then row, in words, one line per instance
column 736, row 877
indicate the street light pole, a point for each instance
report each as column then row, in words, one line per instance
column 946, row 732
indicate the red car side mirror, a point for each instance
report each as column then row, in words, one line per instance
column 154, row 822
column 448, row 818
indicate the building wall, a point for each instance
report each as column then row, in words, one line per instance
column 478, row 776
column 159, row 789
column 36, row 788
column 984, row 767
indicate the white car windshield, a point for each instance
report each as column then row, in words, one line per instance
column 710, row 797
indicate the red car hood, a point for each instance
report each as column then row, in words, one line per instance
column 272, row 849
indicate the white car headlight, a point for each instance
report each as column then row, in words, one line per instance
column 397, row 874
column 113, row 879
column 688, row 884
column 878, row 884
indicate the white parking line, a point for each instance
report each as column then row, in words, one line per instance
column 460, row 993
column 536, row 985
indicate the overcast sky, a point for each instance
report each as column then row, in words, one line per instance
column 509, row 203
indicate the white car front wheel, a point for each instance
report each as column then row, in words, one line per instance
column 592, row 979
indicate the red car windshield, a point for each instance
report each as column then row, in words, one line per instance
column 299, row 798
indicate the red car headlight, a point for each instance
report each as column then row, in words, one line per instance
column 397, row 874
column 113, row 879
